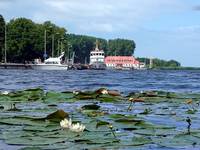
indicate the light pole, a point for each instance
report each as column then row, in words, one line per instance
column 5, row 51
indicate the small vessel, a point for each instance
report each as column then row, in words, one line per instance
column 97, row 58
column 52, row 63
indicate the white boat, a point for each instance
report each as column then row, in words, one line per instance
column 97, row 58
column 52, row 63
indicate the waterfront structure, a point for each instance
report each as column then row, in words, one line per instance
column 122, row 62
column 97, row 57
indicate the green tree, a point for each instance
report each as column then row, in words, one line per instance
column 121, row 47
column 159, row 63
column 21, row 40
column 82, row 45
column 2, row 36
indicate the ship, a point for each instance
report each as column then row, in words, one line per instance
column 97, row 57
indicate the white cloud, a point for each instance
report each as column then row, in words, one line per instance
column 106, row 15
column 91, row 15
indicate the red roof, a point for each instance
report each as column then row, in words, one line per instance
column 121, row 60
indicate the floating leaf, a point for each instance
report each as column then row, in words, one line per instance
column 57, row 116
column 31, row 141
column 137, row 141
column 102, row 123
column 90, row 107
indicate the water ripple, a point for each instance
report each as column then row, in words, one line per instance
column 125, row 81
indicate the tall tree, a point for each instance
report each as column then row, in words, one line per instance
column 2, row 36
column 121, row 47
column 21, row 40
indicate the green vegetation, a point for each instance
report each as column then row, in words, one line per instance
column 161, row 64
column 30, row 119
column 2, row 33
column 121, row 47
column 25, row 41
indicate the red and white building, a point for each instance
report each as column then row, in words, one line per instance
column 122, row 62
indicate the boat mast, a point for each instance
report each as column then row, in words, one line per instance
column 5, row 51
column 52, row 53
column 45, row 44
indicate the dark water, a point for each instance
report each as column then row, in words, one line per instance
column 124, row 81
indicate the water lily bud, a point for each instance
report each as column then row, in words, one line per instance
column 110, row 126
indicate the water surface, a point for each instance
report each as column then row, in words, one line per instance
column 124, row 81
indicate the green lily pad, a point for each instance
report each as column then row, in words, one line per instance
column 34, row 141
column 90, row 107
column 56, row 116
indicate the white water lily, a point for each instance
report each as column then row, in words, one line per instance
column 77, row 127
column 75, row 92
column 5, row 93
column 66, row 123
column 104, row 91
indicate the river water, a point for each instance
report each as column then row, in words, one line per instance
column 124, row 81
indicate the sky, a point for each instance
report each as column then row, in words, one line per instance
column 165, row 29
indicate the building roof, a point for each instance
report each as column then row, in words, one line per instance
column 121, row 60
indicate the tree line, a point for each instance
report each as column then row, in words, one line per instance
column 159, row 63
column 26, row 41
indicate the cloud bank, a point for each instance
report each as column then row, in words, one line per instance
column 90, row 15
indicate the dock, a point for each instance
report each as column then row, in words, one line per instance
column 14, row 66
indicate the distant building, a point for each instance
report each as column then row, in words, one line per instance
column 122, row 62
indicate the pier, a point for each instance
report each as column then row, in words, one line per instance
column 14, row 66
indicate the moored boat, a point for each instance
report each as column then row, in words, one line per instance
column 52, row 63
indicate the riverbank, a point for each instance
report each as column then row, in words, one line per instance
column 176, row 68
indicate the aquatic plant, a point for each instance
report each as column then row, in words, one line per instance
column 188, row 120
column 45, row 120
column 67, row 124
column 112, row 131
column 77, row 127
column 5, row 93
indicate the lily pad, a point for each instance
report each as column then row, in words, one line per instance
column 90, row 107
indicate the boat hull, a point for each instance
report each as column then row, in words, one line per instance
column 49, row 67
column 98, row 66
